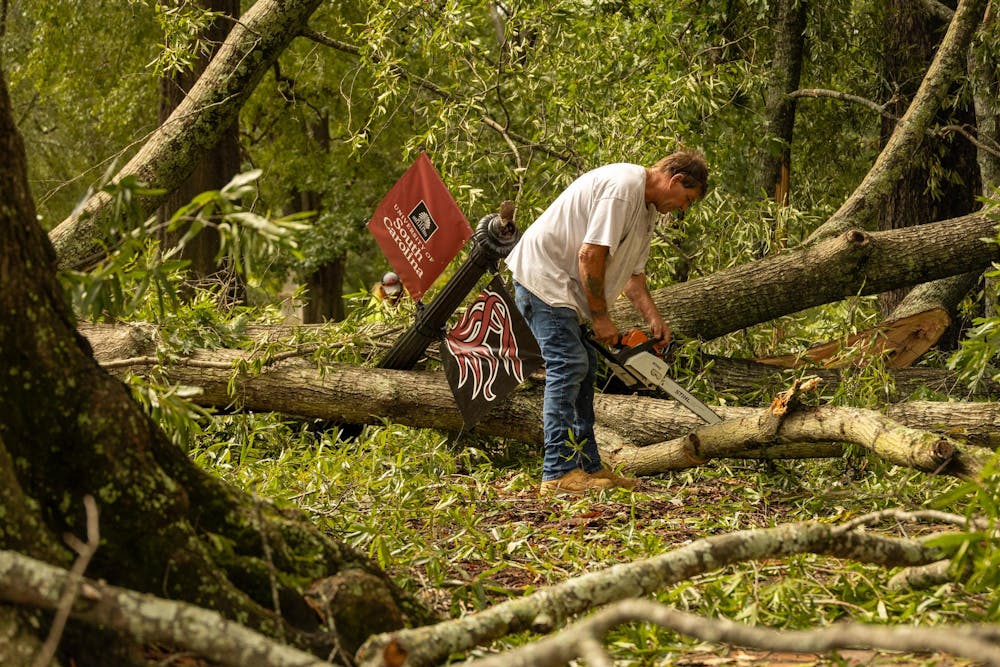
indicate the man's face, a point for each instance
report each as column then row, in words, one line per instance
column 675, row 197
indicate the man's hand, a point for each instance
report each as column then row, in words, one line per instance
column 605, row 331
column 660, row 331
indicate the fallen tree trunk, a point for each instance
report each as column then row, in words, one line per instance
column 725, row 374
column 34, row 583
column 853, row 263
column 884, row 437
column 423, row 399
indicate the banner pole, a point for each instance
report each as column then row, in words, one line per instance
column 494, row 238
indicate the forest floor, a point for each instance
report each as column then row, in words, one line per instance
column 458, row 522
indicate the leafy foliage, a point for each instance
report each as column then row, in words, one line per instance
column 512, row 101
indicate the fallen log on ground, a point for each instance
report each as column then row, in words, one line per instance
column 784, row 422
column 349, row 394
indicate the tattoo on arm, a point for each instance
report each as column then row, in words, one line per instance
column 595, row 286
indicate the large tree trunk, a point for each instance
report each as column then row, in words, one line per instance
column 908, row 48
column 363, row 395
column 68, row 430
column 853, row 263
column 177, row 146
column 291, row 385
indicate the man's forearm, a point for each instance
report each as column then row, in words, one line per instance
column 591, row 265
column 639, row 295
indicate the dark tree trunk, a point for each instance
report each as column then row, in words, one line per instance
column 69, row 430
column 325, row 300
column 818, row 273
column 220, row 162
column 789, row 22
column 923, row 192
column 326, row 293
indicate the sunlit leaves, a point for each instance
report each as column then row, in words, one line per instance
column 183, row 24
column 138, row 270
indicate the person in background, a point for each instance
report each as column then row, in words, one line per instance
column 389, row 289
column 590, row 245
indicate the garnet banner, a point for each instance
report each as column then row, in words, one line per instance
column 419, row 227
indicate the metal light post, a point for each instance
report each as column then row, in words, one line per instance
column 493, row 239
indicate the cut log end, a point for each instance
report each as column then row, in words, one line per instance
column 943, row 451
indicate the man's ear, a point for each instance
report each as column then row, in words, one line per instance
column 676, row 179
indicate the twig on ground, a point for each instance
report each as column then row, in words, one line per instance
column 86, row 551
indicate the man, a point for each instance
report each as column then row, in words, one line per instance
column 588, row 247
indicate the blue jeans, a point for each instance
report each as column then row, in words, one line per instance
column 570, row 374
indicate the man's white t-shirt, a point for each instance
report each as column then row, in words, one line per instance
column 605, row 206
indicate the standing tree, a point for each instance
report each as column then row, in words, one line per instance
column 220, row 162
column 69, row 431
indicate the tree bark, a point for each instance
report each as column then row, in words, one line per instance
column 360, row 395
column 33, row 583
column 177, row 146
column 745, row 376
column 882, row 436
column 852, row 263
column 911, row 37
column 779, row 107
column 220, row 163
column 581, row 640
column 986, row 98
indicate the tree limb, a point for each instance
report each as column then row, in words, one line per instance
column 175, row 148
column 552, row 606
column 884, row 437
column 27, row 581
column 965, row 640
column 86, row 551
column 433, row 88
column 880, row 109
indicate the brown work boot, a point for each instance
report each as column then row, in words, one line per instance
column 621, row 482
column 575, row 482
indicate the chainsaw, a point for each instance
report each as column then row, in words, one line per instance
column 638, row 362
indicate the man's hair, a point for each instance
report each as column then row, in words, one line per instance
column 691, row 163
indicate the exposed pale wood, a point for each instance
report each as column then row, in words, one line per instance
column 898, row 342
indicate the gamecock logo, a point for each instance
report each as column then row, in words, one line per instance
column 483, row 342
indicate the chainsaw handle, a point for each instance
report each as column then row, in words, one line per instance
column 636, row 340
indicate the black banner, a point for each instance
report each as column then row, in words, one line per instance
column 488, row 352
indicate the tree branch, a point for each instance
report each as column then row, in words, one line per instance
column 880, row 109
column 27, row 581
column 86, row 551
column 967, row 641
column 431, row 87
column 552, row 606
